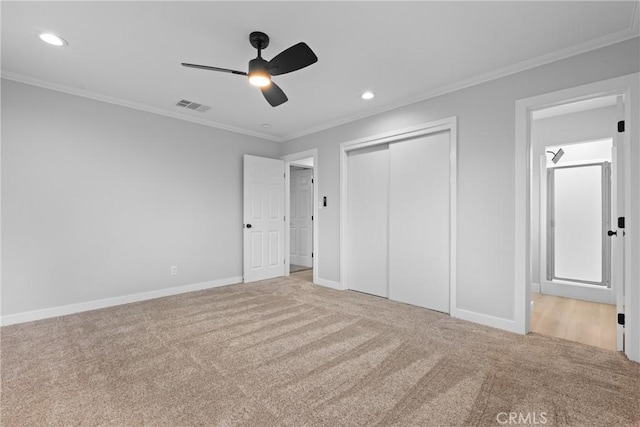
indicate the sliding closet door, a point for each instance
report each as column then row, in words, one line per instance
column 368, row 216
column 419, row 222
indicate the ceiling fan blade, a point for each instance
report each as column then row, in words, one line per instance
column 206, row 67
column 296, row 57
column 274, row 95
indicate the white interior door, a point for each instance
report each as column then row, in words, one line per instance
column 617, row 210
column 368, row 216
column 263, row 211
column 419, row 221
column 300, row 221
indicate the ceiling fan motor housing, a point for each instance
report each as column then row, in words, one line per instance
column 258, row 65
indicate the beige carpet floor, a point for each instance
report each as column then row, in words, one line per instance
column 288, row 353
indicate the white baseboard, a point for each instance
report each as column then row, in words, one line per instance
column 329, row 284
column 535, row 288
column 485, row 319
column 30, row 316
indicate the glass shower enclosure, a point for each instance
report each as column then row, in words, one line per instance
column 579, row 216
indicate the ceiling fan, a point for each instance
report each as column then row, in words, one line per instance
column 260, row 70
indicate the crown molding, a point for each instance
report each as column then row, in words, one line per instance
column 130, row 104
column 607, row 40
column 630, row 33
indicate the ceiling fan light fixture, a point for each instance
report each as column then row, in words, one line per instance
column 258, row 74
column 52, row 39
column 260, row 79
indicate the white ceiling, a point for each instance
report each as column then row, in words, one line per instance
column 130, row 52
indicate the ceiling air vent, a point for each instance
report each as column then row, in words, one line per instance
column 193, row 106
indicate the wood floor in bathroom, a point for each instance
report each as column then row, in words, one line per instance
column 574, row 320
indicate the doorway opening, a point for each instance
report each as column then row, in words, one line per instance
column 301, row 212
column 301, row 219
column 574, row 273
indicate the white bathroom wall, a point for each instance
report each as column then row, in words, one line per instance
column 583, row 152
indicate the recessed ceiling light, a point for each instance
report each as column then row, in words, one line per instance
column 266, row 125
column 52, row 39
column 367, row 95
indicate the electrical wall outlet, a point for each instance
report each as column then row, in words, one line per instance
column 174, row 271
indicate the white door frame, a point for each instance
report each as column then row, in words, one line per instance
column 624, row 85
column 447, row 124
column 288, row 159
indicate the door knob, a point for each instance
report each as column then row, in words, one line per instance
column 612, row 233
column 248, row 225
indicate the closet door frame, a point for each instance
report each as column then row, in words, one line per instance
column 448, row 124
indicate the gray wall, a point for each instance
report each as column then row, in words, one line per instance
column 100, row 201
column 486, row 168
